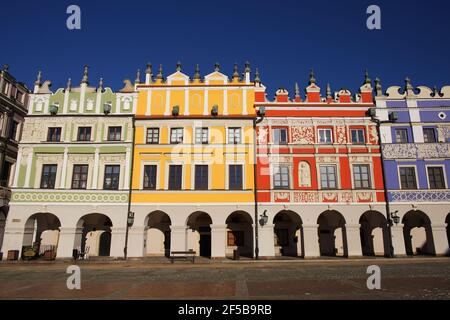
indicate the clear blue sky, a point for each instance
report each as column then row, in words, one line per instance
column 284, row 38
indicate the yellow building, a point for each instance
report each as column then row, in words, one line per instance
column 193, row 182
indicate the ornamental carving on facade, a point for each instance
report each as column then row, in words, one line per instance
column 420, row 196
column 327, row 159
column 262, row 135
column 346, row 197
column 330, row 196
column 373, row 135
column 282, row 196
column 341, row 135
column 306, row 197
column 359, row 159
column 399, row 151
column 364, row 196
column 304, row 174
column 302, row 135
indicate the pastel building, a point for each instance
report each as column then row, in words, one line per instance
column 416, row 151
column 72, row 177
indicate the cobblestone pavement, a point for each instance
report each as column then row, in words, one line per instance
column 407, row 278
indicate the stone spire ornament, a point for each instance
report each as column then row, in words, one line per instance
column 85, row 75
column 160, row 75
column 217, row 67
column 312, row 79
column 178, row 66
column 329, row 91
column 197, row 72
column 69, row 84
column 409, row 89
column 138, row 77
column 38, row 81
column 247, row 67
column 297, row 90
column 257, row 77
column 148, row 73
column 378, row 88
column 100, row 84
column 236, row 72
column 366, row 78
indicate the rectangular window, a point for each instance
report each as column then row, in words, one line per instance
column 436, row 177
column 84, row 134
column 201, row 135
column 235, row 177
column 48, row 176
column 54, row 135
column 112, row 176
column 328, row 177
column 429, row 135
column 357, row 136
column 361, row 176
column 175, row 176
column 150, row 177
column 234, row 136
column 280, row 136
column 201, row 177
column 325, row 136
column 13, row 130
column 153, row 135
column 79, row 178
column 281, row 177
column 114, row 133
column 401, row 136
column 235, row 238
column 176, row 135
column 408, row 178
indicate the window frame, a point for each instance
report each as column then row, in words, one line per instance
column 336, row 186
column 444, row 180
column 433, row 130
column 327, row 130
column 197, row 185
column 81, row 174
column 200, row 133
column 85, row 134
column 115, row 133
column 416, row 182
column 363, row 135
column 113, row 185
column 56, row 135
column 46, row 165
column 170, row 185
column 153, row 129
column 235, row 187
column 281, row 174
column 369, row 180
column 177, row 135
column 279, row 141
column 144, row 187
column 405, row 130
column 231, row 135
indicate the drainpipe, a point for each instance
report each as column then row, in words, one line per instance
column 255, row 184
column 130, row 188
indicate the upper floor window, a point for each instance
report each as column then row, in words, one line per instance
column 408, row 178
column 401, row 135
column 13, row 130
column 281, row 177
column 201, row 135
column 84, row 134
column 357, row 136
column 153, row 135
column 234, row 136
column 429, row 135
column 150, row 177
column 280, row 136
column 175, row 177
column 201, row 177
column 361, row 176
column 176, row 135
column 80, row 175
column 325, row 136
column 48, row 176
column 114, row 133
column 54, row 134
column 436, row 177
column 328, row 177
column 111, row 180
column 235, row 177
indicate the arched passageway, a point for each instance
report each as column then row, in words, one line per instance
column 288, row 234
column 95, row 235
column 418, row 234
column 41, row 232
column 374, row 234
column 239, row 234
column 199, row 233
column 332, row 234
column 157, row 235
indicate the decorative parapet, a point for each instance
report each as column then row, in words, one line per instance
column 88, row 196
column 341, row 196
column 416, row 150
column 419, row 196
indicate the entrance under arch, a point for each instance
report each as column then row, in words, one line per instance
column 157, row 235
column 239, row 234
column 332, row 234
column 418, row 234
column 42, row 232
column 95, row 237
column 199, row 233
column 288, row 234
column 374, row 234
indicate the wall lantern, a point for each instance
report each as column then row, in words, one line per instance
column 107, row 108
column 54, row 109
column 264, row 218
column 130, row 219
column 175, row 111
column 393, row 116
column 372, row 112
column 262, row 111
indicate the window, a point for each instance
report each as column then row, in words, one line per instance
column 54, row 135
column 201, row 135
column 150, row 177
column 408, row 178
column 401, row 135
column 176, row 135
column 201, row 177
column 13, row 130
column 48, row 176
column 114, row 133
column 361, row 176
column 84, row 134
column 281, row 177
column 328, row 177
column 235, row 238
column 234, row 136
column 153, row 135
column 436, row 178
column 111, row 180
column 429, row 135
column 280, row 136
column 235, row 177
column 175, row 177
column 357, row 136
column 79, row 178
column 325, row 136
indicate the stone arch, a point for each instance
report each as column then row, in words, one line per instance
column 332, row 234
column 239, row 234
column 418, row 234
column 374, row 234
column 157, row 234
column 288, row 234
column 41, row 231
column 199, row 233
column 91, row 237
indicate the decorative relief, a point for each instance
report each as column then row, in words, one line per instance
column 304, row 174
column 282, row 196
column 262, row 135
column 306, row 197
column 364, row 196
column 443, row 133
column 302, row 135
column 355, row 159
column 73, row 105
column 420, row 196
column 325, row 196
column 328, row 159
column 330, row 196
column 416, row 151
column 81, row 157
column 373, row 135
column 341, row 135
column 90, row 104
column 87, row 197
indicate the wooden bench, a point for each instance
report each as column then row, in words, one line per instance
column 184, row 255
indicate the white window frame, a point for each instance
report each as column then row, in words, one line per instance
column 336, row 172
column 325, row 129
column 228, row 135
column 158, row 173
column 443, row 173
column 415, row 174
column 370, row 173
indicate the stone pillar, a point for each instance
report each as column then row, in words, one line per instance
column 12, row 240
column 218, row 240
column 266, row 241
column 178, row 238
column 311, row 241
column 353, row 240
column 64, row 169
column 398, row 240
column 136, row 237
column 117, row 242
column 441, row 245
column 66, row 242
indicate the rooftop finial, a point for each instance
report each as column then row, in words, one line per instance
column 312, row 80
column 197, row 72
column 149, row 69
column 257, row 78
column 85, row 75
column 247, row 67
column 436, row 92
column 235, row 72
column 378, row 88
column 100, row 84
column 366, row 78
column 160, row 70
column 69, row 84
column 178, row 66
column 138, row 76
column 217, row 67
column 5, row 67
column 297, row 90
column 408, row 86
column 38, row 81
column 329, row 91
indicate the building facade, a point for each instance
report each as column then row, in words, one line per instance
column 416, row 152
column 72, row 178
column 13, row 108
